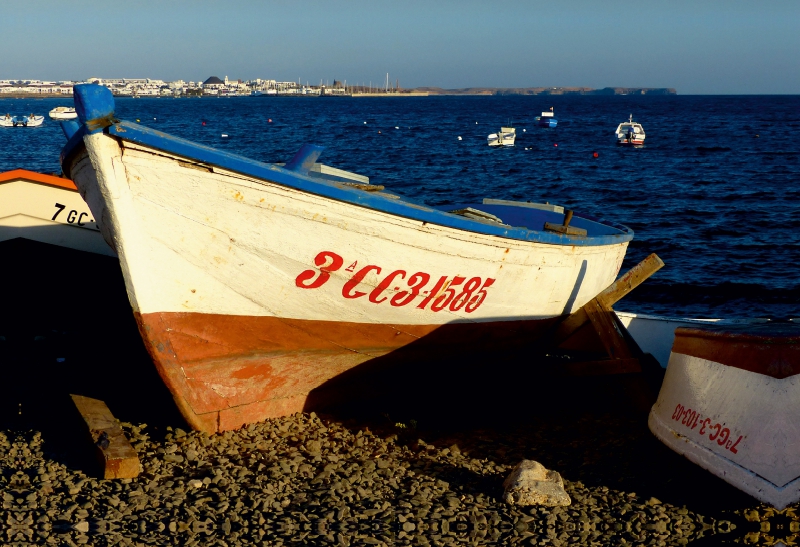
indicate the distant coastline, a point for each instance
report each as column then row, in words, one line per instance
column 549, row 91
column 420, row 92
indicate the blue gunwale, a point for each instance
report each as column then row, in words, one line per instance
column 403, row 207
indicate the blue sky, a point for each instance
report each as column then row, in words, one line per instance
column 697, row 47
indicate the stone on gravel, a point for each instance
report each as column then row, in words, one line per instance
column 530, row 483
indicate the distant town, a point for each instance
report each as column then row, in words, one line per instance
column 216, row 87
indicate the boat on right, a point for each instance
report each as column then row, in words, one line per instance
column 630, row 132
column 730, row 402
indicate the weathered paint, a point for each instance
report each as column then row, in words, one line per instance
column 729, row 403
column 226, row 371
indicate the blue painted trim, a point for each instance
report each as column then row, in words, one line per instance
column 69, row 127
column 132, row 132
column 92, row 101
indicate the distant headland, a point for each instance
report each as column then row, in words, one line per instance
column 548, row 91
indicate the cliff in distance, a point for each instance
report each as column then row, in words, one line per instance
column 549, row 91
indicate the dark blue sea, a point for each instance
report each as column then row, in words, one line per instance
column 715, row 191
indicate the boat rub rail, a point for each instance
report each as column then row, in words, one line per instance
column 196, row 153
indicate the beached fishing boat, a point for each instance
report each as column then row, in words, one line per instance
column 63, row 113
column 729, row 403
column 505, row 137
column 47, row 209
column 630, row 132
column 255, row 285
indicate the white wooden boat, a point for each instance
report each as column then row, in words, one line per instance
column 630, row 132
column 505, row 137
column 63, row 113
column 255, row 285
column 21, row 121
column 730, row 403
column 47, row 209
column 655, row 334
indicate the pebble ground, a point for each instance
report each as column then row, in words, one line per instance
column 313, row 480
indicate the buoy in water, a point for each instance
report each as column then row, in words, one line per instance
column 379, row 132
column 365, row 123
column 269, row 120
column 155, row 118
column 138, row 120
column 459, row 137
column 595, row 155
column 555, row 144
column 204, row 123
column 396, row 127
column 523, row 130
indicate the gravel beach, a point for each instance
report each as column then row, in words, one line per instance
column 423, row 467
column 321, row 480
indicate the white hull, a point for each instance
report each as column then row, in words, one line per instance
column 63, row 113
column 22, row 121
column 191, row 240
column 738, row 420
column 505, row 137
column 49, row 210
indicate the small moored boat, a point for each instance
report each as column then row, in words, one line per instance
column 255, row 286
column 630, row 132
column 21, row 121
column 505, row 137
column 63, row 113
column 547, row 119
column 729, row 403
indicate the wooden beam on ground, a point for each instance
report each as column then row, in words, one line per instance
column 115, row 453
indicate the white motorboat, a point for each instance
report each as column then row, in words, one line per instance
column 505, row 137
column 630, row 132
column 21, row 121
column 63, row 113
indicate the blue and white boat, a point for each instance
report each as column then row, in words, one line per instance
column 255, row 286
column 547, row 119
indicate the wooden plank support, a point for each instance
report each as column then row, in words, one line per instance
column 113, row 450
column 602, row 318
column 611, row 295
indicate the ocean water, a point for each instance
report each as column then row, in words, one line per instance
column 715, row 191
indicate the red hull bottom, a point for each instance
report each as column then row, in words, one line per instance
column 227, row 371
